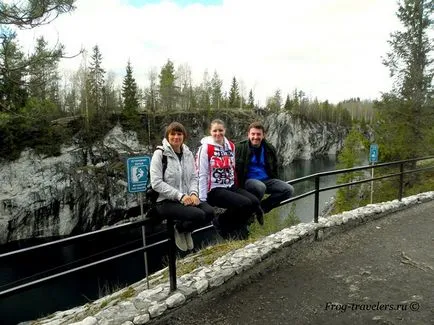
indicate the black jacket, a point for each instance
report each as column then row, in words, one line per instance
column 243, row 155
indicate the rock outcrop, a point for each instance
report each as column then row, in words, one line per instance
column 85, row 189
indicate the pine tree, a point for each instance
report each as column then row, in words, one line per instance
column 13, row 93
column 32, row 13
column 274, row 103
column 406, row 112
column 288, row 104
column 43, row 74
column 168, row 92
column 129, row 90
column 96, row 81
column 346, row 198
column 234, row 95
column 25, row 14
column 216, row 91
column 251, row 100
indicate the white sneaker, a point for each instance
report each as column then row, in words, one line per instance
column 180, row 240
column 189, row 240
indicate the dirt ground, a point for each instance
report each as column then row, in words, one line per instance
column 381, row 272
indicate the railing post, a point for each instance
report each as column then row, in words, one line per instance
column 171, row 253
column 401, row 181
column 316, row 208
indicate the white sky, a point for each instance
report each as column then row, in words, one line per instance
column 330, row 49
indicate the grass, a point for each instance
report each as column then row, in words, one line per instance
column 207, row 255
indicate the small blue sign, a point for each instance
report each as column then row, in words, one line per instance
column 373, row 153
column 137, row 172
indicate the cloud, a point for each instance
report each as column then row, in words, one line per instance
column 331, row 49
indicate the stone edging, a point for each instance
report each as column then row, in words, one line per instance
column 145, row 305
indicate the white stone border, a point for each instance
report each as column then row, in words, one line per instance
column 148, row 304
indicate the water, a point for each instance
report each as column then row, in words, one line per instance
column 304, row 208
column 88, row 285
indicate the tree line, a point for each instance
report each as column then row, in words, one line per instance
column 404, row 116
column 31, row 84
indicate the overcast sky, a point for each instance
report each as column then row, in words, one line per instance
column 330, row 49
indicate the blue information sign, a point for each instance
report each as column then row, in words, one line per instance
column 373, row 153
column 137, row 172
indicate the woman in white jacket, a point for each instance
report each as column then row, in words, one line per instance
column 178, row 187
column 216, row 171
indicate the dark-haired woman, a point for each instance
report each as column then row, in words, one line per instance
column 178, row 187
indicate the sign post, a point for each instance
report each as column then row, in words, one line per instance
column 137, row 174
column 373, row 158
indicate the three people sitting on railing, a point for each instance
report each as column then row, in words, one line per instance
column 187, row 192
column 178, row 187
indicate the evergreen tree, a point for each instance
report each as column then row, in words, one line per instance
column 274, row 103
column 29, row 14
column 168, row 92
column 346, row 198
column 406, row 113
column 13, row 94
column 43, row 74
column 129, row 90
column 251, row 100
column 216, row 91
column 96, row 81
column 32, row 13
column 288, row 104
column 234, row 95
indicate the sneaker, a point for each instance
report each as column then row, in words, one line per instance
column 180, row 240
column 260, row 216
column 189, row 240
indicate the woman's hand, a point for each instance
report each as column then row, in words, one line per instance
column 196, row 200
column 190, row 200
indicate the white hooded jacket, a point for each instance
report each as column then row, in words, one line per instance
column 215, row 168
column 180, row 176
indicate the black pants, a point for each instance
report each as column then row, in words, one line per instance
column 240, row 205
column 186, row 218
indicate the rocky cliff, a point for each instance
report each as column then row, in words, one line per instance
column 85, row 188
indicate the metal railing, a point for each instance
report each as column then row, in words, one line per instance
column 170, row 240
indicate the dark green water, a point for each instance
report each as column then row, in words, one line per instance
column 299, row 168
column 84, row 286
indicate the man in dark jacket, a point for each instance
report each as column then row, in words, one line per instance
column 257, row 166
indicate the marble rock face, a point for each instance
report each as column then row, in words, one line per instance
column 84, row 189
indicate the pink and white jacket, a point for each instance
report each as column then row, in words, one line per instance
column 215, row 165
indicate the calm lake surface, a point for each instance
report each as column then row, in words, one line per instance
column 88, row 285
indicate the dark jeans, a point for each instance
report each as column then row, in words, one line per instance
column 186, row 218
column 240, row 205
column 278, row 190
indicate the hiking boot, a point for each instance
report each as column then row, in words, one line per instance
column 216, row 223
column 260, row 216
column 180, row 240
column 251, row 219
column 222, row 232
column 189, row 240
